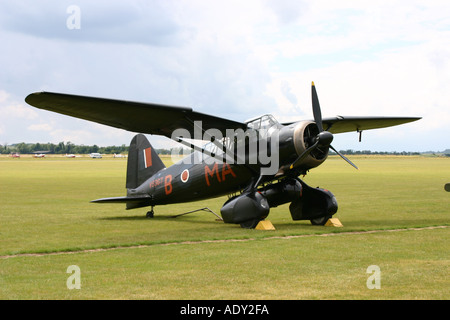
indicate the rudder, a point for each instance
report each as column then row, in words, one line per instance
column 143, row 162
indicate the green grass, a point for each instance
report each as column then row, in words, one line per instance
column 412, row 266
column 45, row 207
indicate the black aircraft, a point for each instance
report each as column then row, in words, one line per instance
column 257, row 162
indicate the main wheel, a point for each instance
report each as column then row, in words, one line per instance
column 320, row 221
column 250, row 224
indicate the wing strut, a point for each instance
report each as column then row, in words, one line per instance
column 197, row 148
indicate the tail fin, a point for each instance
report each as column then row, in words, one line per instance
column 143, row 162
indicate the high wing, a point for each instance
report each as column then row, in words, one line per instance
column 164, row 119
column 132, row 116
column 349, row 124
column 342, row 124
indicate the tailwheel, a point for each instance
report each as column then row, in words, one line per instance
column 320, row 221
column 150, row 213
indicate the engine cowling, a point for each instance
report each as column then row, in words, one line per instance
column 305, row 134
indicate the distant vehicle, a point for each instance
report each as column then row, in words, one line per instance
column 119, row 156
column 95, row 155
column 70, row 155
column 15, row 155
column 40, row 154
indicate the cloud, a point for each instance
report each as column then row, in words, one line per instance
column 11, row 108
column 288, row 11
column 74, row 136
column 148, row 23
column 40, row 127
column 287, row 92
column 232, row 59
column 14, row 117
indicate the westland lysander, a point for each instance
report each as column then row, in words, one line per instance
column 257, row 162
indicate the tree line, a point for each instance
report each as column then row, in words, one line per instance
column 70, row 148
column 60, row 148
column 368, row 152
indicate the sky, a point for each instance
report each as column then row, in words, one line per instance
column 232, row 59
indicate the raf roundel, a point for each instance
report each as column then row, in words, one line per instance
column 185, row 175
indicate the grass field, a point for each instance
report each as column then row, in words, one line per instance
column 387, row 208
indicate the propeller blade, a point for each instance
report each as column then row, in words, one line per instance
column 316, row 108
column 297, row 161
column 322, row 140
column 303, row 155
column 345, row 158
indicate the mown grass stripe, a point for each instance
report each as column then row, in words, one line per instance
column 75, row 251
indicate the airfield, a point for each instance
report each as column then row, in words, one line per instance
column 395, row 213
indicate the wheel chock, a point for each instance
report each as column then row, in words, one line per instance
column 334, row 222
column 264, row 225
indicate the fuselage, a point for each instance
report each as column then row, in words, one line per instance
column 185, row 182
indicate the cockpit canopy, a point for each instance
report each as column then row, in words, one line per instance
column 257, row 128
column 263, row 122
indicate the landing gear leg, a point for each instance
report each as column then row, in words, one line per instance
column 150, row 214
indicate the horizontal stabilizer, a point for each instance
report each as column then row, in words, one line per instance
column 132, row 202
column 121, row 199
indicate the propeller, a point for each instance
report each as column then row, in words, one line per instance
column 323, row 139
